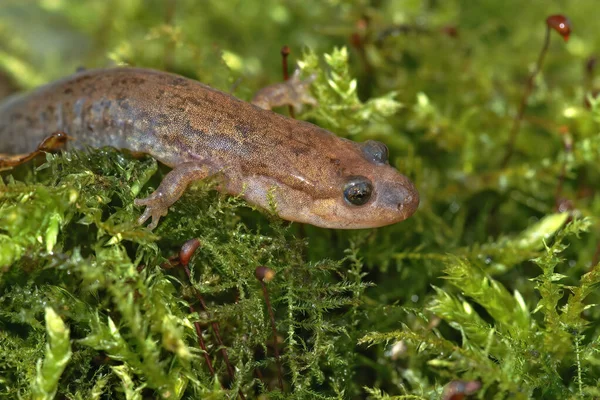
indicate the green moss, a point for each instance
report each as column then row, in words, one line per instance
column 58, row 354
column 494, row 278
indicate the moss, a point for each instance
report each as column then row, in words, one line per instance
column 493, row 280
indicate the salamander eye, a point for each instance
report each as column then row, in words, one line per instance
column 376, row 152
column 358, row 190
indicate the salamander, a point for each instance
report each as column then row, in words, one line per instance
column 306, row 173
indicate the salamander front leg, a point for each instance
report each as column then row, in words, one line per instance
column 293, row 92
column 170, row 190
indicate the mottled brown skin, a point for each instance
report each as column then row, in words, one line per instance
column 199, row 131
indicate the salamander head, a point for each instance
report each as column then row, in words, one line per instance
column 370, row 193
column 359, row 189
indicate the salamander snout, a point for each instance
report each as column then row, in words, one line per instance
column 410, row 202
column 397, row 198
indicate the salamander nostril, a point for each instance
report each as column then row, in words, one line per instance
column 408, row 204
column 405, row 201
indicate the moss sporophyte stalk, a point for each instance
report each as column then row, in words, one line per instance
column 488, row 291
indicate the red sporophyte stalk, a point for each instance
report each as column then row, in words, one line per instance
column 185, row 255
column 596, row 257
column 285, row 52
column 562, row 26
column 359, row 39
column 266, row 274
column 562, row 204
column 170, row 46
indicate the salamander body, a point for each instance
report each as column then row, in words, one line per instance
column 311, row 175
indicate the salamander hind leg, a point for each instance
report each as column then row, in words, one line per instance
column 294, row 92
column 52, row 143
column 170, row 190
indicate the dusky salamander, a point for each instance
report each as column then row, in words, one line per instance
column 312, row 175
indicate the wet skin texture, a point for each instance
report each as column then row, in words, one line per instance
column 311, row 175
